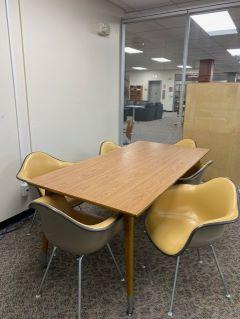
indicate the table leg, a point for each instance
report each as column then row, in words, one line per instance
column 133, row 115
column 44, row 250
column 129, row 260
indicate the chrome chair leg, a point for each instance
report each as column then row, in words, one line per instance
column 32, row 223
column 220, row 272
column 45, row 273
column 80, row 285
column 115, row 262
column 199, row 257
column 170, row 313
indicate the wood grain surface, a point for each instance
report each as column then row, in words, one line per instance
column 128, row 179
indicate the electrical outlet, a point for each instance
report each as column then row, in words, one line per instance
column 24, row 189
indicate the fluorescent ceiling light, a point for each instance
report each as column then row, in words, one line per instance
column 162, row 60
column 216, row 23
column 187, row 66
column 132, row 50
column 234, row 52
column 139, row 68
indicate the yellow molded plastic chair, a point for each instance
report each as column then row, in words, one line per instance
column 192, row 216
column 108, row 146
column 75, row 232
column 37, row 164
column 195, row 174
column 186, row 142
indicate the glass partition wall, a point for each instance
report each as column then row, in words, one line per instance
column 214, row 45
column 164, row 56
column 212, row 112
column 153, row 63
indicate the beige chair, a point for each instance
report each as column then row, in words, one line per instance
column 75, row 232
column 37, row 164
column 186, row 142
column 188, row 216
column 107, row 146
column 195, row 174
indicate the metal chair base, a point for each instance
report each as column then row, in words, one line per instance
column 227, row 295
column 32, row 223
column 116, row 264
column 38, row 295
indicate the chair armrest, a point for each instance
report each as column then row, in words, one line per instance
column 196, row 174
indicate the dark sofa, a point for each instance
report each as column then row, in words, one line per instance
column 146, row 114
column 159, row 110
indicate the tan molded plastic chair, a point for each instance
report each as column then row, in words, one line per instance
column 37, row 164
column 108, row 146
column 75, row 232
column 186, row 142
column 195, row 174
column 192, row 216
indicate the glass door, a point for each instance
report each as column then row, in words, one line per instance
column 153, row 72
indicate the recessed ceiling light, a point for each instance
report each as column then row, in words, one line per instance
column 234, row 52
column 132, row 50
column 216, row 23
column 162, row 60
column 139, row 68
column 187, row 66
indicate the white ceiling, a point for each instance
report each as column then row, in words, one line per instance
column 135, row 5
column 165, row 37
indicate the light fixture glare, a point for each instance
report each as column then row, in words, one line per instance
column 161, row 60
column 132, row 50
column 216, row 23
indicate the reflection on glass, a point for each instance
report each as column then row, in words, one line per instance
column 151, row 88
column 212, row 113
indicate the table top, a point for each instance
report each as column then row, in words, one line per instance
column 135, row 106
column 128, row 179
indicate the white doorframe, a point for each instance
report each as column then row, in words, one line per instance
column 14, row 23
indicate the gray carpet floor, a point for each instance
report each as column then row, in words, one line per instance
column 162, row 131
column 199, row 293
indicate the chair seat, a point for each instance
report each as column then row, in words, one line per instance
column 182, row 209
column 71, row 201
column 61, row 203
column 169, row 231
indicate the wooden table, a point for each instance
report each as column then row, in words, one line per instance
column 134, row 107
column 126, row 180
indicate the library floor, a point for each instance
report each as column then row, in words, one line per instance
column 162, row 131
column 199, row 293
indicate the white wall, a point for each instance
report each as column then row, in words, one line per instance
column 72, row 75
column 66, row 80
column 143, row 78
column 10, row 198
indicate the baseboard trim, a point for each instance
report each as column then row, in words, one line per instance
column 16, row 218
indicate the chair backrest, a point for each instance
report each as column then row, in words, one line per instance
column 196, row 177
column 67, row 233
column 39, row 163
column 186, row 142
column 221, row 198
column 129, row 129
column 107, row 146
